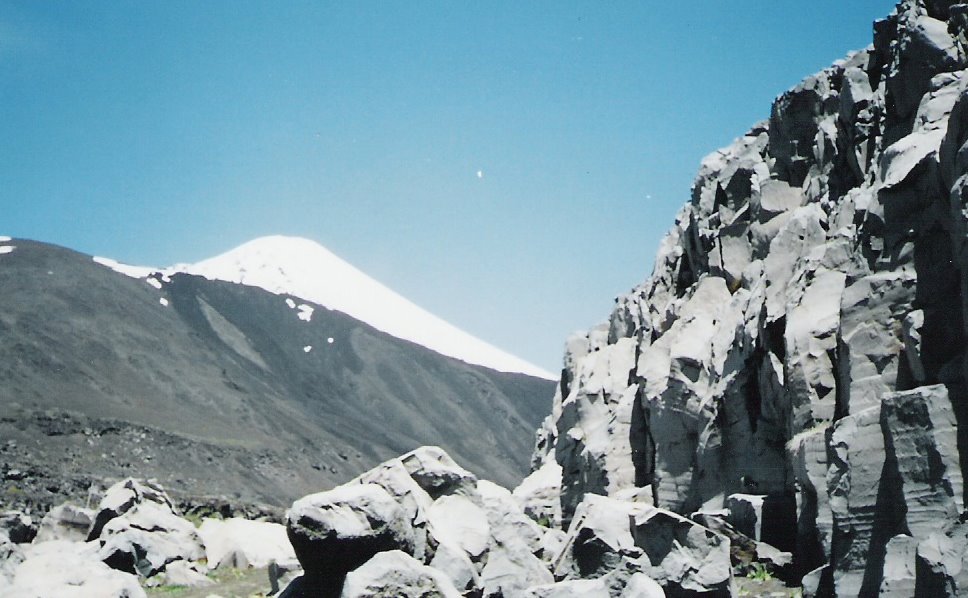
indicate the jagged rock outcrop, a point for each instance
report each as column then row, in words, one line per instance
column 800, row 345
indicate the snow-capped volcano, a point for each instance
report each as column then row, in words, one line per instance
column 305, row 269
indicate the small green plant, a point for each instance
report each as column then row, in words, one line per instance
column 759, row 572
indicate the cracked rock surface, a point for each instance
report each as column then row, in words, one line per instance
column 797, row 356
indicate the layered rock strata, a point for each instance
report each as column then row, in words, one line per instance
column 802, row 337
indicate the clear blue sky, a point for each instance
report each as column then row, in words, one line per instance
column 163, row 132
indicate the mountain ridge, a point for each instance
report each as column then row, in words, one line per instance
column 218, row 372
column 305, row 269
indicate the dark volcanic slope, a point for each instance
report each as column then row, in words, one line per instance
column 215, row 394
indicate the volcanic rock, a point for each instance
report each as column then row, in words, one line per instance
column 19, row 527
column 335, row 532
column 396, row 574
column 241, row 543
column 802, row 338
column 65, row 522
column 63, row 568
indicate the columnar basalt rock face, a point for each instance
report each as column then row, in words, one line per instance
column 802, row 337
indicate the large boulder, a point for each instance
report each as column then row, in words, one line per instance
column 393, row 477
column 11, row 555
column 335, row 532
column 941, row 566
column 146, row 538
column 453, row 562
column 588, row 588
column 124, row 496
column 138, row 530
column 396, row 574
column 457, row 521
column 185, row 574
column 618, row 542
column 69, row 570
column 599, row 538
column 19, row 527
column 514, row 547
column 434, row 471
column 683, row 556
column 242, row 543
column 539, row 494
column 65, row 522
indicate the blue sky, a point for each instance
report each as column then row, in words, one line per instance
column 166, row 132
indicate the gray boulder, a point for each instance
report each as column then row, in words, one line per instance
column 590, row 588
column 393, row 477
column 683, row 556
column 438, row 474
column 396, row 574
column 453, row 562
column 456, row 520
column 11, row 555
column 941, row 565
column 148, row 537
column 242, row 543
column 19, row 527
column 123, row 496
column 65, row 522
column 515, row 543
column 540, row 494
column 641, row 585
column 185, row 574
column 599, row 538
column 63, row 568
column 335, row 532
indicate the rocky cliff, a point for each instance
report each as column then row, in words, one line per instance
column 802, row 337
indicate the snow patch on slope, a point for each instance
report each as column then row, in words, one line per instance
column 132, row 271
column 305, row 269
column 305, row 312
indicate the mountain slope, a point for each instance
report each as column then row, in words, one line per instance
column 303, row 268
column 226, row 389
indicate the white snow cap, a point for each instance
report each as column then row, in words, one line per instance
column 305, row 269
